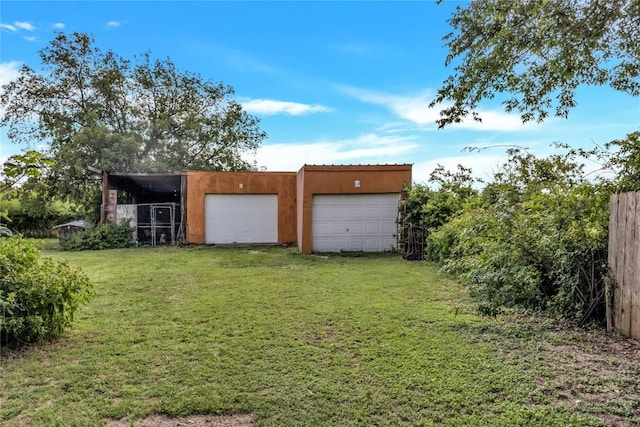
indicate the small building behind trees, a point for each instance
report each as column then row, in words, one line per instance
column 69, row 229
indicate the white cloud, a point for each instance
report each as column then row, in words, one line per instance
column 409, row 108
column 58, row 26
column 24, row 25
column 482, row 166
column 495, row 120
column 8, row 27
column 367, row 148
column 271, row 107
column 9, row 71
column 415, row 109
column 30, row 38
column 113, row 24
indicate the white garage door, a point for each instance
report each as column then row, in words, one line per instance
column 241, row 218
column 354, row 222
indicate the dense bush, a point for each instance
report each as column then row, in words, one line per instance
column 105, row 236
column 535, row 238
column 548, row 252
column 38, row 296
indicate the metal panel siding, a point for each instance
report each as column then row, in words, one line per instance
column 199, row 184
column 354, row 222
column 241, row 218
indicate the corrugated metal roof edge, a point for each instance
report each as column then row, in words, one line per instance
column 402, row 166
column 389, row 166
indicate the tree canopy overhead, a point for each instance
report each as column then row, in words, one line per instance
column 95, row 108
column 536, row 53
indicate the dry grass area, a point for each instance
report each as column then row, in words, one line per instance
column 243, row 420
column 594, row 372
column 599, row 370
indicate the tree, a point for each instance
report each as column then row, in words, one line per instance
column 31, row 164
column 97, row 109
column 17, row 168
column 624, row 160
column 536, row 53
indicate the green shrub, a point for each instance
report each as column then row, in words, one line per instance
column 546, row 252
column 105, row 236
column 535, row 237
column 38, row 296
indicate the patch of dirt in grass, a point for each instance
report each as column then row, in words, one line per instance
column 244, row 420
column 594, row 372
column 597, row 372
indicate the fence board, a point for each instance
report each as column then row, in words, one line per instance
column 635, row 262
column 629, row 264
column 611, row 260
column 618, row 266
column 624, row 261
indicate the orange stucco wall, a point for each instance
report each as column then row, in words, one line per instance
column 200, row 184
column 313, row 180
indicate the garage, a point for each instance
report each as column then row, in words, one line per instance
column 241, row 218
column 354, row 222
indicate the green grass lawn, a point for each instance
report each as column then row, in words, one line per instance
column 294, row 340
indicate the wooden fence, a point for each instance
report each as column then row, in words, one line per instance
column 623, row 314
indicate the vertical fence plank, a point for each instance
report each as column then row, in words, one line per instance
column 629, row 261
column 618, row 268
column 635, row 273
column 611, row 259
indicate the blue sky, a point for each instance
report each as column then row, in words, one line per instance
column 333, row 82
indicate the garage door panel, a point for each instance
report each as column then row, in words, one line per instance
column 373, row 245
column 355, row 244
column 354, row 213
column 390, row 211
column 328, row 244
column 355, row 229
column 388, row 229
column 374, row 228
column 373, row 213
column 241, row 218
column 356, row 222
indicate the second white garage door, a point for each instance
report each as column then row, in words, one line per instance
column 354, row 222
column 241, row 218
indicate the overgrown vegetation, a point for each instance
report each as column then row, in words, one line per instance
column 103, row 236
column 535, row 237
column 38, row 296
column 300, row 340
column 33, row 212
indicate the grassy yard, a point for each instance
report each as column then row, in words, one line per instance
column 300, row 340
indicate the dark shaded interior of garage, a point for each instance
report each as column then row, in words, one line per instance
column 158, row 200
column 146, row 188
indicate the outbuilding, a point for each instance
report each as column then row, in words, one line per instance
column 321, row 208
column 349, row 208
column 69, row 229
